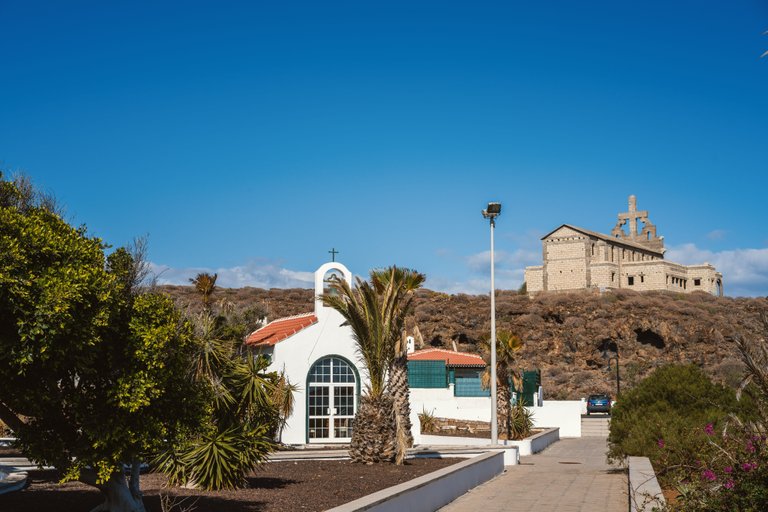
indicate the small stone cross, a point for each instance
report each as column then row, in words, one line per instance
column 333, row 253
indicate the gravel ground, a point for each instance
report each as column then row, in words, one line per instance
column 280, row 486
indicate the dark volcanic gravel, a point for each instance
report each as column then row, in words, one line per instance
column 280, row 486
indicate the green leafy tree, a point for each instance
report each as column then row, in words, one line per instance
column 507, row 346
column 663, row 409
column 376, row 311
column 94, row 371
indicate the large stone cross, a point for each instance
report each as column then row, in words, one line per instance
column 633, row 216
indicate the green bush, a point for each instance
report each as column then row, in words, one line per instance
column 664, row 409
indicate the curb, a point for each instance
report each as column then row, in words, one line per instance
column 430, row 492
column 644, row 490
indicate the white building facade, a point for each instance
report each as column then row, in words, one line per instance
column 317, row 352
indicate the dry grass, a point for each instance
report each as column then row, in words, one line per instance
column 563, row 333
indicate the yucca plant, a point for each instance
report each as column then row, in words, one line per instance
column 428, row 421
column 283, row 399
column 520, row 421
column 238, row 434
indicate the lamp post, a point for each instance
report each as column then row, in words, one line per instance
column 493, row 211
column 608, row 357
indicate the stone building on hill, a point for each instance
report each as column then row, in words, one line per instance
column 579, row 259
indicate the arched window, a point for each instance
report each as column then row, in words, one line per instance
column 331, row 400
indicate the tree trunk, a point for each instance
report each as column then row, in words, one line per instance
column 398, row 384
column 375, row 431
column 119, row 495
column 502, row 411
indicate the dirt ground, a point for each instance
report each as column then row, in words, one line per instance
column 280, row 486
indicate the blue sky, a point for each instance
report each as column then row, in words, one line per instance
column 249, row 138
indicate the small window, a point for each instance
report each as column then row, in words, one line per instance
column 642, row 278
column 631, row 280
column 697, row 282
column 613, row 276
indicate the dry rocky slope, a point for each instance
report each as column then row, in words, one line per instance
column 564, row 334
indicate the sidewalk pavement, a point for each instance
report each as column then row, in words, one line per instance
column 569, row 476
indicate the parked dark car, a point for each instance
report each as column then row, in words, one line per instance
column 598, row 403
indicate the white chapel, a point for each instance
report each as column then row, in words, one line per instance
column 316, row 351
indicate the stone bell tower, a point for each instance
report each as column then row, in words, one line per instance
column 645, row 237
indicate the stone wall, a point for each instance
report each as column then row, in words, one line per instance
column 566, row 265
column 455, row 426
column 534, row 279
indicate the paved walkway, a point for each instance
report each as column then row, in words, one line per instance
column 569, row 476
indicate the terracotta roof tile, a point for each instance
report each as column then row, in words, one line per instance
column 280, row 329
column 451, row 358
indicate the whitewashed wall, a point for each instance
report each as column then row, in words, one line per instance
column 564, row 414
column 298, row 353
column 442, row 403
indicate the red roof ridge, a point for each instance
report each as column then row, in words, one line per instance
column 436, row 349
column 291, row 317
column 274, row 332
column 451, row 357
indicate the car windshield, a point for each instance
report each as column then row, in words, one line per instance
column 598, row 397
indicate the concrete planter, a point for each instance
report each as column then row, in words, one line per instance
column 527, row 446
column 432, row 491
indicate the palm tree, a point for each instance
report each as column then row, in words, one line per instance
column 205, row 284
column 507, row 345
column 405, row 282
column 376, row 312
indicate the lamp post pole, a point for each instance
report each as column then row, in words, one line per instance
column 609, row 358
column 494, row 209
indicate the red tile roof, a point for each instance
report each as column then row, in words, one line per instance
column 280, row 329
column 451, row 358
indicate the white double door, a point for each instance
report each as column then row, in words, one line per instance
column 331, row 412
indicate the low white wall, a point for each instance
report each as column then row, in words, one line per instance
column 544, row 439
column 564, row 414
column 432, row 491
column 441, row 403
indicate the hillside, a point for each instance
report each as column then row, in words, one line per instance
column 565, row 333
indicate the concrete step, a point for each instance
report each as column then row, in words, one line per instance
column 595, row 426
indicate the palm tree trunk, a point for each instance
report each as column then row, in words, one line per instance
column 375, row 431
column 398, row 385
column 502, row 408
